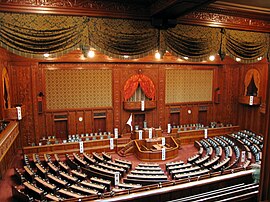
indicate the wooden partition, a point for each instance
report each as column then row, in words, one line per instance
column 9, row 143
column 189, row 136
column 155, row 154
column 63, row 148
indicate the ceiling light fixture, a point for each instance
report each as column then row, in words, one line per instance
column 212, row 57
column 91, row 54
column 157, row 55
column 46, row 55
column 238, row 59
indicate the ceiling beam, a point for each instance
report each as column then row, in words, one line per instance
column 172, row 9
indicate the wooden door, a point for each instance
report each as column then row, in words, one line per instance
column 203, row 117
column 175, row 119
column 99, row 125
column 61, row 129
column 138, row 120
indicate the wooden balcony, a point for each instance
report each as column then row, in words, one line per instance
column 247, row 100
column 136, row 106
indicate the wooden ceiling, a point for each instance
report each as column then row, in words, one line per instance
column 137, row 9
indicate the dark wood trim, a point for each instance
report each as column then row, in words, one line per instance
column 265, row 167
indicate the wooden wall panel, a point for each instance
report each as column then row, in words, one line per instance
column 226, row 77
column 253, row 117
column 49, row 124
column 80, row 122
column 23, row 80
column 88, row 121
column 109, row 121
column 3, row 64
column 72, row 123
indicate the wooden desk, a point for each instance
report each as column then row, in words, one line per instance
column 59, row 182
column 45, row 185
column 83, row 190
column 106, row 183
column 68, row 177
column 99, row 187
column 68, row 194
column 36, row 192
column 122, row 161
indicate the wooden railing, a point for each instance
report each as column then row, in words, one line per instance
column 9, row 143
column 128, row 148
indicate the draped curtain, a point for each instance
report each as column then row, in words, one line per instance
column 256, row 76
column 195, row 42
column 248, row 46
column 145, row 82
column 32, row 35
column 118, row 37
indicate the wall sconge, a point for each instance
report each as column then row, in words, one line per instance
column 80, row 119
column 189, row 111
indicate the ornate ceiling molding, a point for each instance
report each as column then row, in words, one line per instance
column 116, row 9
column 227, row 21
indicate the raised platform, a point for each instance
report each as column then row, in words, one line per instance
column 151, row 149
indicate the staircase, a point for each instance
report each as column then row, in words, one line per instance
column 127, row 149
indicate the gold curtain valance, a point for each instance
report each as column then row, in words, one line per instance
column 195, row 42
column 32, row 35
column 248, row 46
column 118, row 37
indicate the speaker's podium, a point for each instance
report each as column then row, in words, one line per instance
column 146, row 133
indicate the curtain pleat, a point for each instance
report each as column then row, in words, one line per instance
column 32, row 35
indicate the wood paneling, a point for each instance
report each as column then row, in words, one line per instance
column 28, row 79
column 9, row 143
column 253, row 117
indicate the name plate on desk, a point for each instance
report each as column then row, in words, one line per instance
column 163, row 154
column 243, row 156
column 169, row 128
column 116, row 132
column 251, row 100
column 111, row 143
column 142, row 105
column 116, row 178
column 163, row 141
column 150, row 133
column 81, row 146
column 140, row 134
column 205, row 133
column 19, row 112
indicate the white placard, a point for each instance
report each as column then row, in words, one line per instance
column 243, row 156
column 116, row 132
column 81, row 146
column 140, row 134
column 163, row 154
column 111, row 143
column 150, row 133
column 205, row 133
column 116, row 178
column 169, row 128
column 142, row 105
column 251, row 99
column 19, row 113
column 163, row 141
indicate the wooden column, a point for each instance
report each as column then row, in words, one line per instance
column 265, row 168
